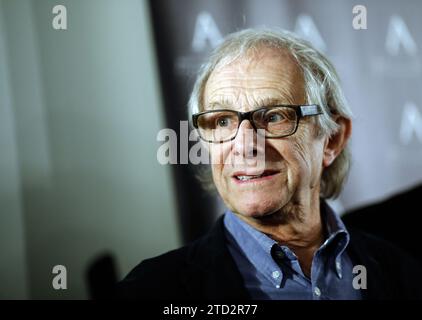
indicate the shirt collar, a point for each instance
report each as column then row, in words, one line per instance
column 255, row 245
column 260, row 249
column 335, row 230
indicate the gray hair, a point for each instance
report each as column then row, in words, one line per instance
column 322, row 87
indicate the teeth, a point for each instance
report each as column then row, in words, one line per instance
column 244, row 178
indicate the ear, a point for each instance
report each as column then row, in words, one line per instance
column 337, row 141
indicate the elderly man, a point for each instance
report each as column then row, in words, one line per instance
column 278, row 239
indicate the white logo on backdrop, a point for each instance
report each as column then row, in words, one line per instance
column 411, row 123
column 398, row 34
column 206, row 32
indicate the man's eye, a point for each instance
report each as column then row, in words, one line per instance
column 223, row 122
column 275, row 117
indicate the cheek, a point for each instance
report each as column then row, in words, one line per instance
column 309, row 159
column 291, row 152
column 301, row 156
column 216, row 174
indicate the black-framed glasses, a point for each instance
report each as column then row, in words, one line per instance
column 279, row 121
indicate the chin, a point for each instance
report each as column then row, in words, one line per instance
column 256, row 210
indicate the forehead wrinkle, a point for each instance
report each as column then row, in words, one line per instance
column 280, row 97
column 256, row 81
column 287, row 89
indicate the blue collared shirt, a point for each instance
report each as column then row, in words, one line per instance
column 271, row 271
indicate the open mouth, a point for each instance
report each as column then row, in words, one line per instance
column 245, row 177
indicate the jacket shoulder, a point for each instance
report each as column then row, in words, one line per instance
column 197, row 268
column 377, row 247
column 155, row 278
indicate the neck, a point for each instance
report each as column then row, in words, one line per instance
column 296, row 226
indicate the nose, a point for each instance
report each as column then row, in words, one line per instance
column 245, row 143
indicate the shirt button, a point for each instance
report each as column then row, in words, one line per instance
column 275, row 274
column 317, row 291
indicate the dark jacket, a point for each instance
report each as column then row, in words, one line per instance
column 205, row 270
